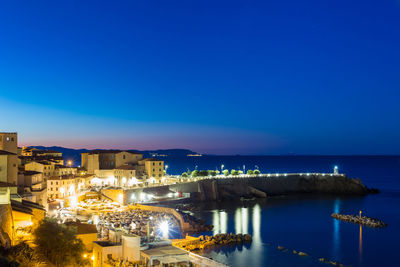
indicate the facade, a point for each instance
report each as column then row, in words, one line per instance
column 8, row 142
column 32, row 187
column 64, row 186
column 9, row 158
column 122, row 168
column 85, row 232
column 153, row 168
column 50, row 168
column 8, row 167
column 108, row 159
column 127, row 248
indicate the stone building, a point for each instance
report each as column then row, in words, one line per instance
column 32, row 187
column 8, row 167
column 9, row 142
column 8, row 158
column 153, row 168
column 108, row 159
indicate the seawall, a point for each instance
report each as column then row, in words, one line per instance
column 234, row 187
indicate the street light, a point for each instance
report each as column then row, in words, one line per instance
column 69, row 163
column 166, row 168
column 164, row 228
column 222, row 167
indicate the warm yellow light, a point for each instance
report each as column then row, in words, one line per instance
column 92, row 258
column 121, row 198
column 85, row 255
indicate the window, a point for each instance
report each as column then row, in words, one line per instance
column 153, row 164
column 123, row 156
column 7, row 139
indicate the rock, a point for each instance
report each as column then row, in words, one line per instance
column 281, row 248
column 302, row 254
column 322, row 259
column 247, row 238
column 294, row 252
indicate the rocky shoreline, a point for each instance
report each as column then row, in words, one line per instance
column 218, row 240
column 363, row 220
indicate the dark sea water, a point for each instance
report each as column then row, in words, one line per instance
column 303, row 223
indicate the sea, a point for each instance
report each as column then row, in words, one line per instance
column 303, row 222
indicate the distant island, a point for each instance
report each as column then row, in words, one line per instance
column 75, row 154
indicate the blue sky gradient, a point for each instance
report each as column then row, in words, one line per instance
column 222, row 77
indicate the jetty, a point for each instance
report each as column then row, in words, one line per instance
column 358, row 219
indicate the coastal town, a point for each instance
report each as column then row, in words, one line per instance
column 114, row 203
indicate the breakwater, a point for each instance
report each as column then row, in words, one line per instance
column 261, row 186
column 246, row 186
column 363, row 220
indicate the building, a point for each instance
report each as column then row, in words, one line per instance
column 122, row 168
column 153, row 168
column 127, row 247
column 108, row 159
column 165, row 256
column 85, row 232
column 50, row 168
column 16, row 215
column 32, row 187
column 29, row 154
column 8, row 142
column 65, row 186
column 8, row 167
column 8, row 158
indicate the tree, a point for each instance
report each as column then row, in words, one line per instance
column 240, row 172
column 256, row 172
column 225, row 172
column 58, row 244
column 250, row 172
column 184, row 174
column 234, row 172
column 195, row 173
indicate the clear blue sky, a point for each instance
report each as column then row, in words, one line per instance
column 224, row 77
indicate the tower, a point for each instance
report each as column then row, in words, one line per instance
column 9, row 142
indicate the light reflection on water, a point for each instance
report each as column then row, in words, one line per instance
column 336, row 231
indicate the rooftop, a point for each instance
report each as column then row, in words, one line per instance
column 151, row 159
column 164, row 251
column 25, row 206
column 2, row 152
column 29, row 172
column 106, row 243
column 126, row 167
column 111, row 151
column 82, row 228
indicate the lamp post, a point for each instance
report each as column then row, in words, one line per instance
column 222, row 167
column 69, row 163
column 166, row 169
